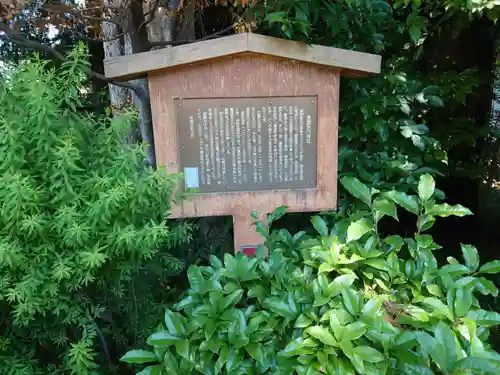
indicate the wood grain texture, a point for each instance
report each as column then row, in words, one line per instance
column 352, row 63
column 250, row 76
column 244, row 232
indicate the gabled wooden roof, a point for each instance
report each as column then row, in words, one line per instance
column 138, row 65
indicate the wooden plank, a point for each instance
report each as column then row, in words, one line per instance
column 250, row 77
column 353, row 62
column 128, row 67
column 133, row 66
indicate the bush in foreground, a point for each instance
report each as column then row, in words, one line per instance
column 347, row 301
column 80, row 217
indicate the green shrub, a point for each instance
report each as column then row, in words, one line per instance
column 80, row 219
column 346, row 301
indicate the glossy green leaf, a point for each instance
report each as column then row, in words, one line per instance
column 293, row 347
column 426, row 187
column 303, row 321
column 435, row 100
column 455, row 270
column 279, row 307
column 413, row 369
column 434, row 289
column 322, row 334
column 276, row 17
column 426, row 222
column 438, row 307
column 221, row 361
column 357, row 189
column 486, row 287
column 163, row 338
column 196, row 279
column 471, row 257
column 447, row 339
column 490, row 267
column 372, row 307
column 351, row 301
column 445, row 210
column 408, row 202
column 358, row 229
column 257, row 291
column 139, row 356
column 215, row 262
column 171, row 364
column 368, row 354
column 325, row 268
column 320, row 225
column 353, row 331
column 152, row 370
column 234, row 359
column 378, row 263
column 174, row 323
column 385, row 207
column 484, row 318
column 256, row 351
column 481, row 365
column 463, row 301
column 232, row 299
column 405, row 339
column 182, row 348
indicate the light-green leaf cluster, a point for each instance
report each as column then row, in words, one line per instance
column 342, row 301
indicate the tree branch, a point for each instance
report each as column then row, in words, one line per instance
column 20, row 39
column 181, row 42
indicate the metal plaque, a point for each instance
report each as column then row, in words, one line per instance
column 248, row 144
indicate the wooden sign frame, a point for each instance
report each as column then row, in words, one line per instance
column 247, row 65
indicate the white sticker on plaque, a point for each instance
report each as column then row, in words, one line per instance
column 191, row 178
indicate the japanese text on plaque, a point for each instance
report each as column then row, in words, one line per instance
column 248, row 143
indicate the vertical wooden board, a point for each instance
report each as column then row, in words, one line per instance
column 250, row 76
column 244, row 231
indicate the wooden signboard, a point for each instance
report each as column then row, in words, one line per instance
column 250, row 120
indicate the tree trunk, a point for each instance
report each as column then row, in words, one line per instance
column 112, row 47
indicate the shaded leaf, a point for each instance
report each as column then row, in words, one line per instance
column 482, row 365
column 351, row 301
column 368, row 354
column 173, row 323
column 196, row 279
column 152, row 370
column 373, row 306
column 437, row 306
column 163, row 338
column 408, row 202
column 426, row 187
column 463, row 301
column 490, row 267
column 357, row 229
column 139, row 356
column 471, row 257
column 353, row 331
column 322, row 334
column 232, row 299
column 320, row 225
column 385, row 207
column 303, row 321
column 357, row 189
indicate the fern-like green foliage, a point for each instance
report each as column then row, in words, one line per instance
column 82, row 218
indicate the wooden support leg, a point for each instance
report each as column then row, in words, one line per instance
column 246, row 239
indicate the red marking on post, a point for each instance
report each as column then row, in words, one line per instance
column 249, row 251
